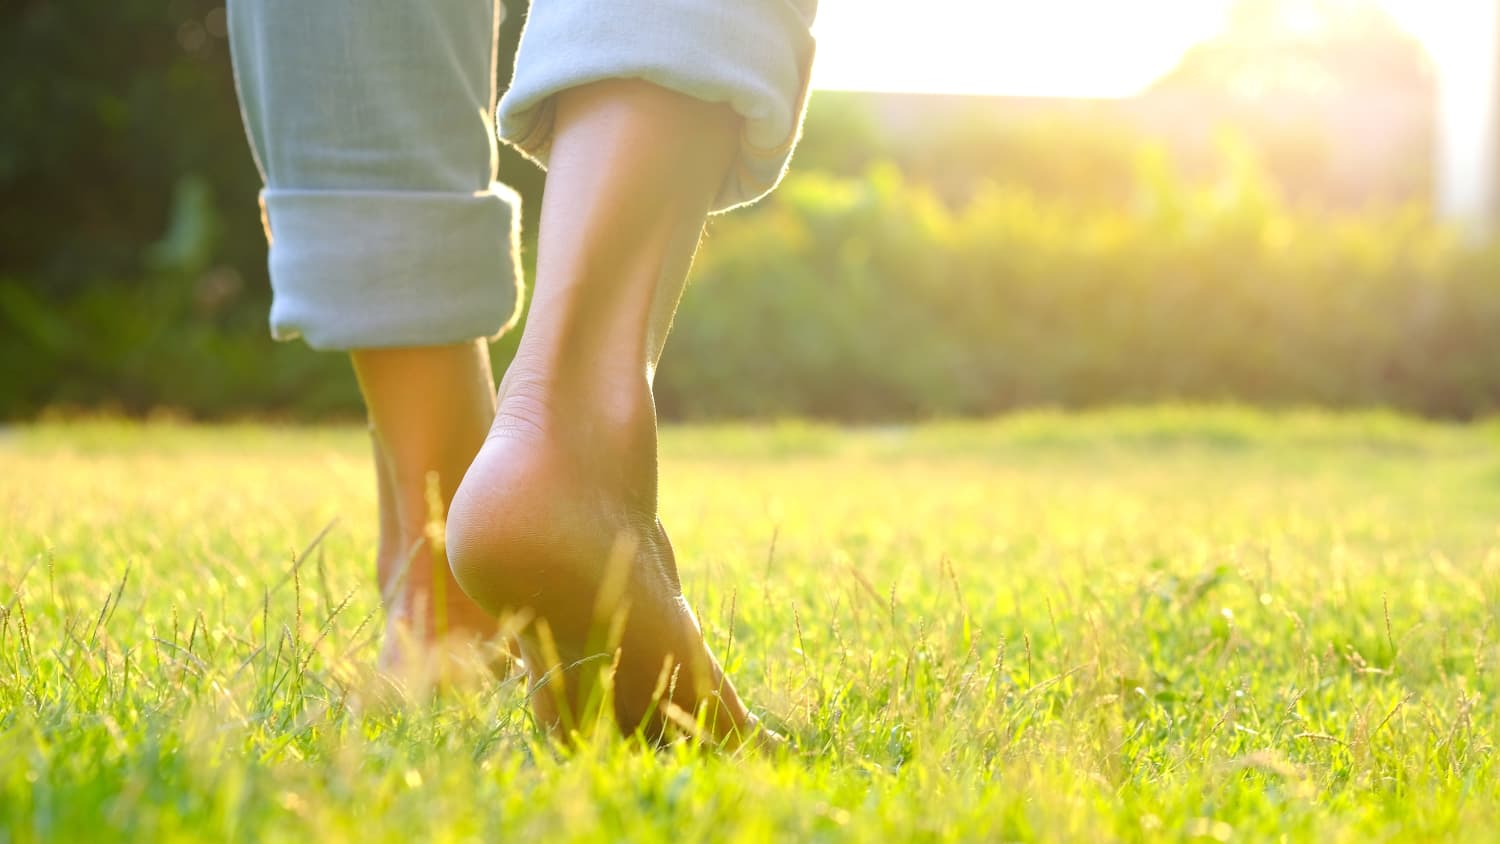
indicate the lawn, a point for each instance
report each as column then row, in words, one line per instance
column 1166, row 624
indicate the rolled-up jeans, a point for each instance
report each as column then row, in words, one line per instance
column 373, row 123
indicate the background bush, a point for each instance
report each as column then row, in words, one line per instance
column 974, row 267
column 869, row 299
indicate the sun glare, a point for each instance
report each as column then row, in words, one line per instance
column 1070, row 48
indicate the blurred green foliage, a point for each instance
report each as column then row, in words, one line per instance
column 870, row 298
column 132, row 260
column 107, row 109
column 970, row 267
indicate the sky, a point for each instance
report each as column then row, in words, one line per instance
column 1076, row 48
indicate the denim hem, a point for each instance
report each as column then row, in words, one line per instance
column 754, row 55
column 369, row 269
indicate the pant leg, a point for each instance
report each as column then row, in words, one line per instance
column 755, row 55
column 372, row 123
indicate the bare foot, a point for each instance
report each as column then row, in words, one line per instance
column 433, row 641
column 435, row 635
column 556, row 523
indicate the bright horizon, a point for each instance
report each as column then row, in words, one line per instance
column 1033, row 49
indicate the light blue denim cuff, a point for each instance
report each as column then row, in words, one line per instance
column 361, row 269
column 755, row 55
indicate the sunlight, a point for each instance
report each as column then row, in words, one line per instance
column 1060, row 48
column 1068, row 48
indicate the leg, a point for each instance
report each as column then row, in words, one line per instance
column 557, row 519
column 429, row 410
column 372, row 124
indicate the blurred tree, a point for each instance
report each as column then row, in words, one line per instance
column 113, row 114
column 1319, row 48
column 130, row 235
column 122, row 129
column 1301, row 78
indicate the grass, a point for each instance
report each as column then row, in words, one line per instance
column 1166, row 624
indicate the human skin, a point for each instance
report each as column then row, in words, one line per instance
column 429, row 409
column 555, row 524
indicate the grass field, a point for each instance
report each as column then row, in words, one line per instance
column 1166, row 624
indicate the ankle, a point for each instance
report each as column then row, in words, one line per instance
column 548, row 499
column 590, row 414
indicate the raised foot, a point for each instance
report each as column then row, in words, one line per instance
column 421, row 663
column 559, row 535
